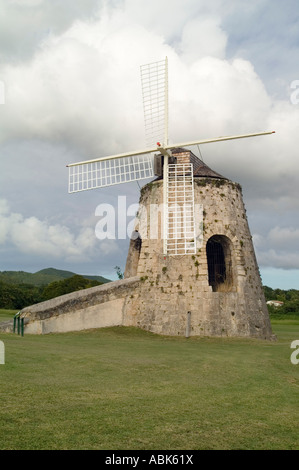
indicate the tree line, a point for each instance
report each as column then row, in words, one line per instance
column 16, row 296
column 290, row 299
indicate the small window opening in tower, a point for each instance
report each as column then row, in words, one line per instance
column 219, row 263
column 138, row 240
column 134, row 255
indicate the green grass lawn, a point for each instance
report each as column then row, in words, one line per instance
column 122, row 388
column 7, row 314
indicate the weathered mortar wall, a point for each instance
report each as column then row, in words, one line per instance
column 96, row 307
column 98, row 316
column 173, row 286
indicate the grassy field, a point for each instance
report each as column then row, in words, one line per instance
column 121, row 388
column 7, row 314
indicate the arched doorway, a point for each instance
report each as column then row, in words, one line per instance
column 219, row 258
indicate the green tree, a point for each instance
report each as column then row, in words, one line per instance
column 72, row 284
column 18, row 296
column 119, row 273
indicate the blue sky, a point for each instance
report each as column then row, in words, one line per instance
column 70, row 75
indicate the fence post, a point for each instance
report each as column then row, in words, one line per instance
column 188, row 325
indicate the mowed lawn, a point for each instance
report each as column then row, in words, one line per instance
column 122, row 388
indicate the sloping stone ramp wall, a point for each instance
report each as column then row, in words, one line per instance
column 96, row 307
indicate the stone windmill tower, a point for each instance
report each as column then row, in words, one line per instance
column 215, row 290
column 192, row 247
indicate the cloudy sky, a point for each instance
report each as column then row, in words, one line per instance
column 70, row 90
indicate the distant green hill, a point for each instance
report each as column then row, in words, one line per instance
column 43, row 277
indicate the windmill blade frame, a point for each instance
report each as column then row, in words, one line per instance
column 154, row 84
column 110, row 171
column 131, row 166
column 217, row 139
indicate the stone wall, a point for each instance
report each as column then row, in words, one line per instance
column 96, row 307
column 176, row 290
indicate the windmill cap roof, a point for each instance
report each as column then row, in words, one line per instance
column 199, row 167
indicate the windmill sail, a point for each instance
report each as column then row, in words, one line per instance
column 154, row 82
column 109, row 171
column 127, row 167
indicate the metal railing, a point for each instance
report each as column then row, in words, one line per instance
column 18, row 324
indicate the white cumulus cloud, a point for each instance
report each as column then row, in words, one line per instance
column 39, row 238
